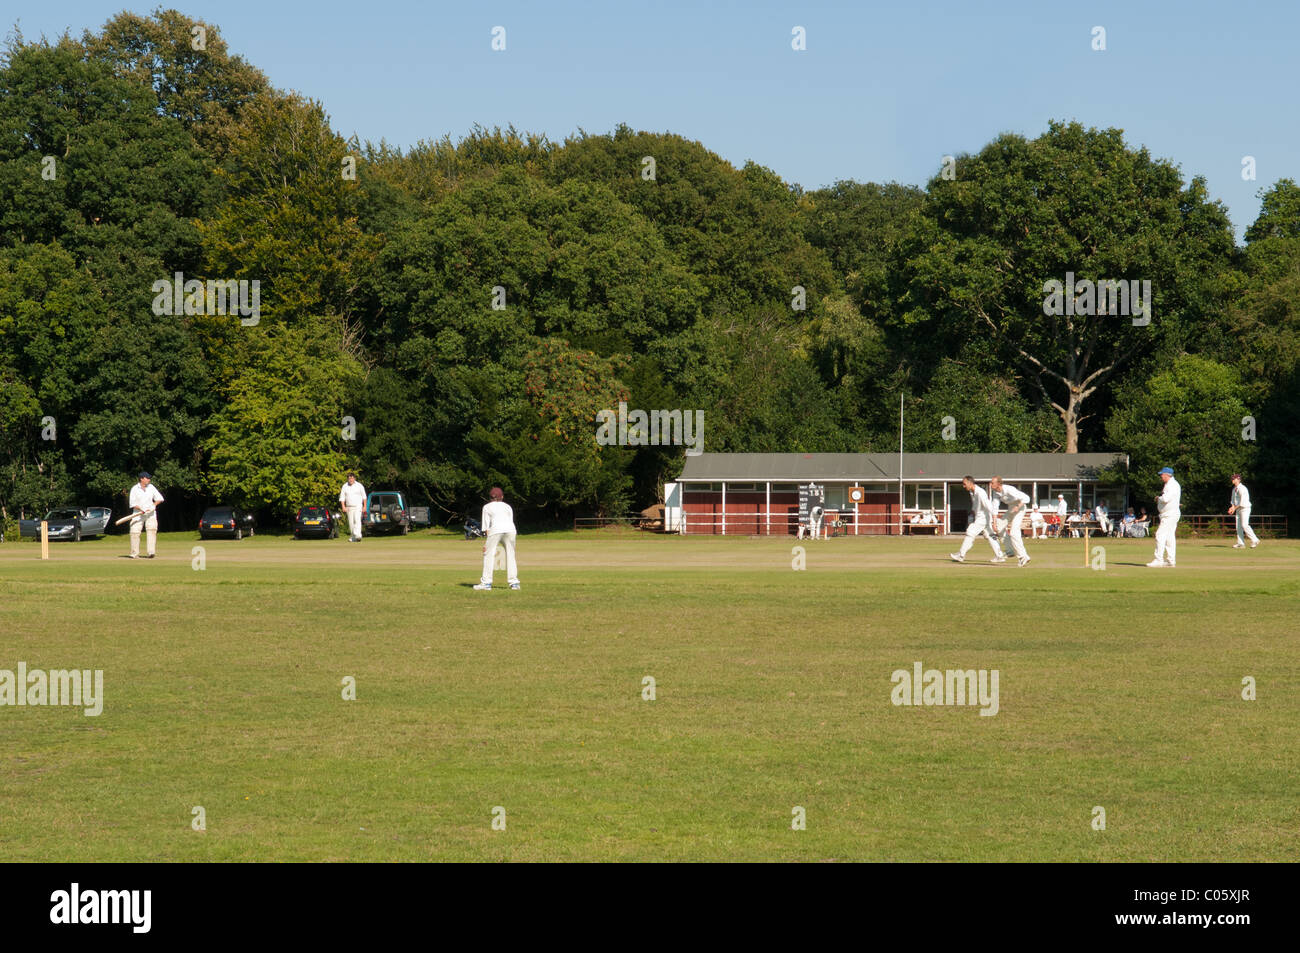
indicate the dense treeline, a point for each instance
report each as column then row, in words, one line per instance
column 454, row 315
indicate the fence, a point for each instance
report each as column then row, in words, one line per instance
column 1266, row 526
column 750, row 523
column 598, row 522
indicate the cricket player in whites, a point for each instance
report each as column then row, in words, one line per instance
column 1167, row 504
column 144, row 502
column 1241, row 508
column 499, row 528
column 1015, row 502
column 352, row 497
column 982, row 516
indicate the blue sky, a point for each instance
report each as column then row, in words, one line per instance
column 881, row 93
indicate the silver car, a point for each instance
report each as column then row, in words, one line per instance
column 70, row 523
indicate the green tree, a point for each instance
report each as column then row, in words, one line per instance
column 86, row 160
column 988, row 415
column 289, row 219
column 278, row 444
column 1187, row 417
column 740, row 231
column 1023, row 212
column 202, row 88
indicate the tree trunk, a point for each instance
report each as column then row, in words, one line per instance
column 1070, row 417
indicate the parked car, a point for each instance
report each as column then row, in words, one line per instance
column 316, row 521
column 72, row 523
column 225, row 521
column 387, row 512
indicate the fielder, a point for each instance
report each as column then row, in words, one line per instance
column 982, row 517
column 1241, row 508
column 499, row 527
column 144, row 502
column 352, row 497
column 1015, row 501
column 1167, row 504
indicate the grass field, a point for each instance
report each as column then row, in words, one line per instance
column 223, row 689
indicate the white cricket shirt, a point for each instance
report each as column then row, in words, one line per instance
column 1169, row 499
column 498, row 517
column 146, row 498
column 353, row 495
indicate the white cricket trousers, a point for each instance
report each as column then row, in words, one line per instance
column 489, row 556
column 354, row 523
column 1167, row 539
column 979, row 525
column 1016, row 530
column 150, row 527
column 1243, row 526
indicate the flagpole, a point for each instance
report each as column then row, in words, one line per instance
column 900, row 464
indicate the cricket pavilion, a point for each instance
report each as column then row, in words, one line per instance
column 875, row 494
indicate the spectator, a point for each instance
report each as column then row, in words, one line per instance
column 1141, row 525
column 1103, row 517
column 1037, row 525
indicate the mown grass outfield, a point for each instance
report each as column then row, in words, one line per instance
column 1118, row 688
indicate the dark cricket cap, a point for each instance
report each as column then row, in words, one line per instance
column 146, row 475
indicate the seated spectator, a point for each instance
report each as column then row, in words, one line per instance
column 1141, row 525
column 1037, row 525
column 929, row 518
column 1074, row 520
column 1126, row 527
column 1102, row 513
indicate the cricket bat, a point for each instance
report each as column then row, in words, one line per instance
column 130, row 516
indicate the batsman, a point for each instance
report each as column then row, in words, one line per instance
column 144, row 509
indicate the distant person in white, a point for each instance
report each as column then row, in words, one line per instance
column 1015, row 501
column 1063, row 511
column 1037, row 524
column 1167, row 504
column 1103, row 517
column 352, row 497
column 1241, row 508
column 144, row 501
column 815, row 516
column 982, row 516
column 499, row 528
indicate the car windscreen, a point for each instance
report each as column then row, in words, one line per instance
column 218, row 513
column 314, row 511
column 61, row 515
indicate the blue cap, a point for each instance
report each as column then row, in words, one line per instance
column 144, row 475
column 1169, row 470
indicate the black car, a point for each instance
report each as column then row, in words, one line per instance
column 315, row 521
column 228, row 522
